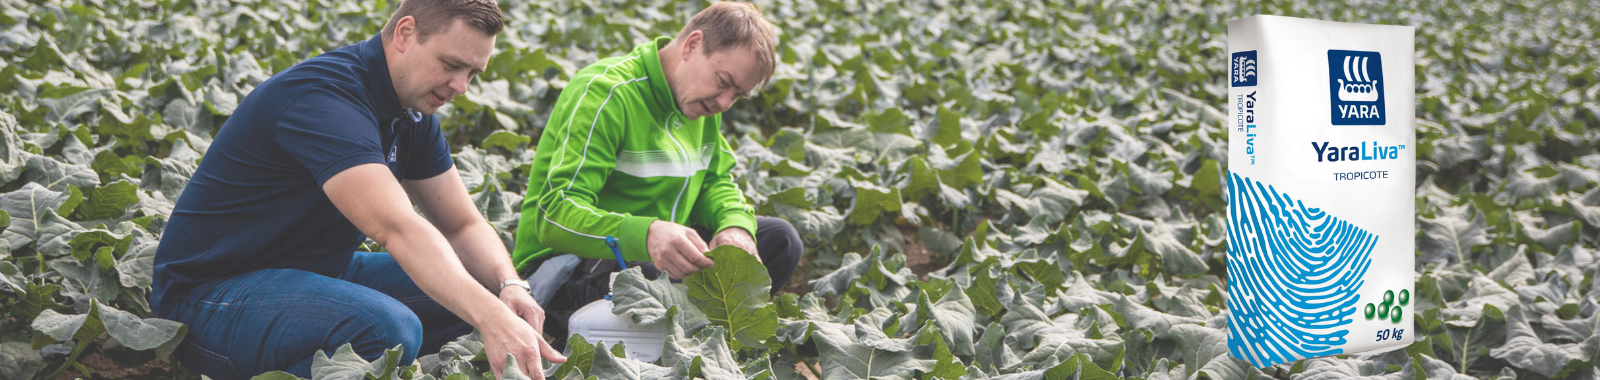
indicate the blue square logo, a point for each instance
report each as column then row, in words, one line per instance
column 1355, row 87
column 1244, row 69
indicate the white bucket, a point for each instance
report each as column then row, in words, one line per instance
column 596, row 323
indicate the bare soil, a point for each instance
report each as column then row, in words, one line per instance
column 100, row 366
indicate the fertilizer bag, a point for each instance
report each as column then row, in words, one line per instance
column 1321, row 188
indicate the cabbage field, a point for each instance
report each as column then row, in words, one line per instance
column 989, row 189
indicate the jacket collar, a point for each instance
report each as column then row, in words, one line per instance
column 659, row 97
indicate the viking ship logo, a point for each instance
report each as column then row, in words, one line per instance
column 1355, row 80
column 1244, row 69
column 1357, row 85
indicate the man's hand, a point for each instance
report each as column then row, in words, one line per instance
column 519, row 337
column 368, row 195
column 676, row 250
column 524, row 306
column 738, row 237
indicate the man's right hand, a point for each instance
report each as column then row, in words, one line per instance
column 510, row 335
column 676, row 250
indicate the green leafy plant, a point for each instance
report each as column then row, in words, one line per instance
column 986, row 189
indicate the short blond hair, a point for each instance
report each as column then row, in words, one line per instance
column 737, row 24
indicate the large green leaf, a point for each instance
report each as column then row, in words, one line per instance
column 982, row 292
column 610, row 367
column 1176, row 257
column 992, row 352
column 11, row 278
column 1081, row 294
column 85, row 282
column 734, row 293
column 872, row 201
column 1022, row 139
column 86, row 246
column 57, row 175
column 947, row 365
column 512, row 370
column 105, row 202
column 72, row 103
column 1482, row 293
column 1516, row 271
column 459, row 355
column 188, row 115
column 580, row 356
column 171, row 173
column 1525, row 349
column 1142, row 317
column 1205, row 350
column 1453, row 234
column 19, row 361
column 12, row 158
column 1047, row 342
column 862, row 352
column 1328, row 368
column 134, row 269
column 854, row 268
column 648, row 303
column 34, row 219
column 709, row 351
column 955, row 316
column 59, row 326
column 1553, row 238
column 1061, row 343
column 343, row 365
column 137, row 333
column 816, row 225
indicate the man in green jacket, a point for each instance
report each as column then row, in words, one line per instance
column 633, row 156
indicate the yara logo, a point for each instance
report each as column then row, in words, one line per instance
column 1355, row 80
column 1357, row 85
column 1244, row 69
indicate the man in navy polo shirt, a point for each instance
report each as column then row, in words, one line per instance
column 258, row 256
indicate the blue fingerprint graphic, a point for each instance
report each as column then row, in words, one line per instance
column 1293, row 273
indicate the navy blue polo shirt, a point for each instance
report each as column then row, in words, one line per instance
column 256, row 200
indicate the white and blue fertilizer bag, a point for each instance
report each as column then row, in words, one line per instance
column 1321, row 188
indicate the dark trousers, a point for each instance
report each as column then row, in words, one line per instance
column 777, row 243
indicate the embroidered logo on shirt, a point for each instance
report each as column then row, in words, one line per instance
column 676, row 121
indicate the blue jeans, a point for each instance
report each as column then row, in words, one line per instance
column 277, row 319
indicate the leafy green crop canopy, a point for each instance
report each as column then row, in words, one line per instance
column 985, row 189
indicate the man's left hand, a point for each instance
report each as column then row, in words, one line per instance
column 521, row 303
column 738, row 237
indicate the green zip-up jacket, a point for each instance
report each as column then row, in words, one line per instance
column 617, row 155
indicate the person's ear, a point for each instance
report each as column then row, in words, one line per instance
column 692, row 43
column 405, row 30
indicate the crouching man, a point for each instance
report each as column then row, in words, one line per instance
column 258, row 257
column 633, row 151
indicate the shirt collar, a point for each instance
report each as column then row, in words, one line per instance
column 660, row 95
column 386, row 103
